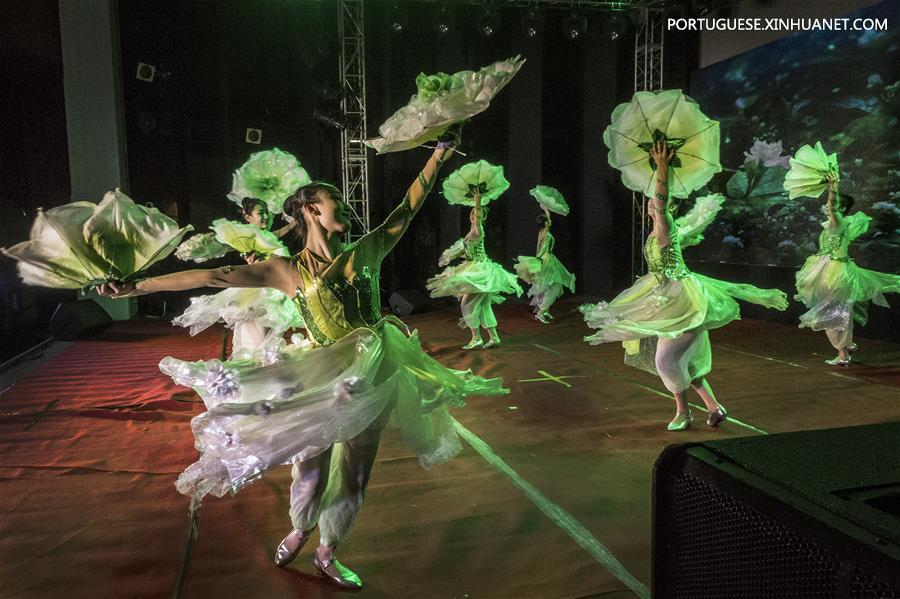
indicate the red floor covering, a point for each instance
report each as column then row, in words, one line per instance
column 92, row 442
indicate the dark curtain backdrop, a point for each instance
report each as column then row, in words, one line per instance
column 223, row 67
column 544, row 128
column 34, row 160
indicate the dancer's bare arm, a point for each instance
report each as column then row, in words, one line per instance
column 276, row 272
column 662, row 155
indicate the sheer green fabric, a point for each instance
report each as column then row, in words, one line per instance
column 299, row 401
column 831, row 285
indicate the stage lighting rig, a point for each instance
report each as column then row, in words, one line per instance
column 615, row 26
column 533, row 22
column 443, row 19
column 575, row 24
column 488, row 21
column 398, row 17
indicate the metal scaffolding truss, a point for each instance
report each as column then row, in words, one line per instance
column 648, row 76
column 354, row 160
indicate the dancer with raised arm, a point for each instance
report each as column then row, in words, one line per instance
column 673, row 308
column 544, row 272
column 478, row 281
column 835, row 290
column 322, row 409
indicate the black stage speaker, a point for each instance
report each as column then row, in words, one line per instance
column 807, row 514
column 72, row 320
column 407, row 301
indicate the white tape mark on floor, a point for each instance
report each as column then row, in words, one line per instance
column 557, row 514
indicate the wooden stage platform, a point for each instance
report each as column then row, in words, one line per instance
column 555, row 502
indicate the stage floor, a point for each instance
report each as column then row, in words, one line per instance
column 93, row 439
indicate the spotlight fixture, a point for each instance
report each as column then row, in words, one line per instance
column 329, row 119
column 702, row 8
column 575, row 25
column 443, row 20
column 615, row 26
column 488, row 21
column 710, row 8
column 397, row 17
column 533, row 23
column 253, row 136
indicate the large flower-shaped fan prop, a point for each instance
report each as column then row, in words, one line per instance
column 83, row 244
column 550, row 199
column 482, row 177
column 271, row 176
column 810, row 168
column 247, row 238
column 672, row 117
column 441, row 101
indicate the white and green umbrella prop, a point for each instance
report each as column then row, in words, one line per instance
column 482, row 177
column 674, row 118
column 441, row 101
column 810, row 168
column 83, row 244
column 271, row 176
column 550, row 199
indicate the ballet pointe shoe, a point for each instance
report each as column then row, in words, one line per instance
column 681, row 421
column 474, row 344
column 337, row 573
column 717, row 417
column 284, row 555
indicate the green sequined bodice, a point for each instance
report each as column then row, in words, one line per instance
column 332, row 303
column 834, row 242
column 475, row 249
column 667, row 262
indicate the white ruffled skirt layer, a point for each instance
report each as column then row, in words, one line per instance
column 266, row 307
column 663, row 325
column 548, row 279
column 476, row 276
column 306, row 400
column 836, row 293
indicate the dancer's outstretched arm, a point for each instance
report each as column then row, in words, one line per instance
column 395, row 225
column 662, row 155
column 276, row 272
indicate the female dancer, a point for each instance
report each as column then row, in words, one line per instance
column 675, row 307
column 258, row 316
column 477, row 282
column 324, row 408
column 835, row 290
column 547, row 275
